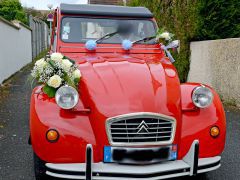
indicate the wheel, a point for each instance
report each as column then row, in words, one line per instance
column 39, row 168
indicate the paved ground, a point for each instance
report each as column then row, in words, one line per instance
column 16, row 155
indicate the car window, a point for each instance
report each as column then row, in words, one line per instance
column 80, row 30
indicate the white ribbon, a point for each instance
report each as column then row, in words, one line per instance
column 169, row 55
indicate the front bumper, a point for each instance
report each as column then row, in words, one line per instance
column 188, row 166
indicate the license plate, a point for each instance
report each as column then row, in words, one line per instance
column 139, row 155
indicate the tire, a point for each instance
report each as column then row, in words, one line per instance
column 39, row 168
column 202, row 176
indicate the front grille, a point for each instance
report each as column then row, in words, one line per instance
column 141, row 128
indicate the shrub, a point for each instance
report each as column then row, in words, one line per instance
column 12, row 10
column 220, row 19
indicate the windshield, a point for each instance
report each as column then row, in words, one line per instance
column 80, row 30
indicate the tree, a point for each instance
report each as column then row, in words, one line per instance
column 12, row 10
column 40, row 14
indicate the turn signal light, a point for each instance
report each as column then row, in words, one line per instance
column 214, row 131
column 52, row 135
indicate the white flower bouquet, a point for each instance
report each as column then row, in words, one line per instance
column 164, row 37
column 54, row 72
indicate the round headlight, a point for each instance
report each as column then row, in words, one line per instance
column 202, row 97
column 67, row 97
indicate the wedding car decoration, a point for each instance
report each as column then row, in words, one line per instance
column 127, row 44
column 54, row 72
column 91, row 45
column 166, row 40
column 164, row 37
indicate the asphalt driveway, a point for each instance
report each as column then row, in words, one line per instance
column 16, row 155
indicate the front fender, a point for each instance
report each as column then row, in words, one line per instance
column 196, row 124
column 74, row 128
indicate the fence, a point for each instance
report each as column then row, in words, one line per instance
column 40, row 35
column 15, row 47
column 217, row 63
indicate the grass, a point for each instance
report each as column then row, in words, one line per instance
column 231, row 105
column 41, row 55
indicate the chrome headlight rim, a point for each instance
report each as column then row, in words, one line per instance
column 207, row 90
column 71, row 90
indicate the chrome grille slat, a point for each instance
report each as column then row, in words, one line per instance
column 149, row 128
column 141, row 129
column 145, row 133
column 150, row 137
column 115, row 124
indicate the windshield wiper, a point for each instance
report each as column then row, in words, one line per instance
column 144, row 39
column 106, row 36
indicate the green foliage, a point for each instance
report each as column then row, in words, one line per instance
column 219, row 19
column 69, row 81
column 12, row 10
column 194, row 20
column 33, row 12
column 40, row 14
column 50, row 91
column 76, row 81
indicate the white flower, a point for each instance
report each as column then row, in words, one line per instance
column 54, row 81
column 165, row 35
column 40, row 64
column 66, row 65
column 56, row 56
column 76, row 74
column 34, row 72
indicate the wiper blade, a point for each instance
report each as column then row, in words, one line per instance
column 144, row 39
column 106, row 36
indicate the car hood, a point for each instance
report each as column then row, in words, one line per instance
column 116, row 84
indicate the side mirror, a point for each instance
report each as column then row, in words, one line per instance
column 173, row 44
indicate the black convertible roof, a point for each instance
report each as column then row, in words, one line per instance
column 105, row 10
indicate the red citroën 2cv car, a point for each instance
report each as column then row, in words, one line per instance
column 130, row 117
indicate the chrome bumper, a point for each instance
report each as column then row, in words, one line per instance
column 190, row 165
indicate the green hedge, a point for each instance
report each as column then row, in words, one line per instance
column 194, row 20
column 12, row 10
column 220, row 19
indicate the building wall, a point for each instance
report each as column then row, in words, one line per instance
column 217, row 63
column 15, row 48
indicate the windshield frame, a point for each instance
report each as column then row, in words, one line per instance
column 101, row 17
